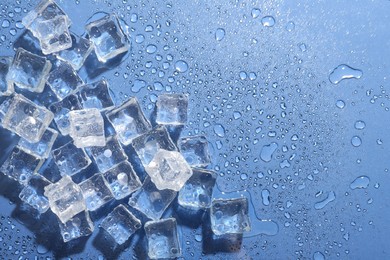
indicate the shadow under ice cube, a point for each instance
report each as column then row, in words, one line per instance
column 70, row 159
column 32, row 193
column 96, row 192
column 78, row 226
column 172, row 109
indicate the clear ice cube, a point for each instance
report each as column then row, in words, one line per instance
column 121, row 224
column 163, row 240
column 63, row 79
column 108, row 38
column 128, row 121
column 195, row 149
column 32, row 193
column 65, row 198
column 6, row 88
column 168, row 170
column 197, row 192
column 96, row 192
column 151, row 201
column 172, row 109
column 87, row 128
column 147, row 145
column 122, row 180
column 42, row 148
column 29, row 71
column 70, row 159
column 229, row 216
column 78, row 226
column 96, row 95
column 108, row 156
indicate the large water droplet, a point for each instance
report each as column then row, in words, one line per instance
column 219, row 130
column 318, row 256
column 219, row 34
column 151, row 48
column 267, row 151
column 265, row 197
column 268, row 21
column 360, row 182
column 331, row 197
column 344, row 71
column 181, row 66
column 138, row 85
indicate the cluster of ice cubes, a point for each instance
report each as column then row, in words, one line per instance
column 72, row 133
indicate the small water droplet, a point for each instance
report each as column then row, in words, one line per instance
column 360, row 182
column 138, row 85
column 265, row 197
column 219, row 130
column 360, row 125
column 151, row 48
column 267, row 152
column 356, row 141
column 318, row 256
column 219, row 34
column 181, row 66
column 139, row 38
column 344, row 71
column 5, row 23
column 255, row 13
column 340, row 104
column 290, row 26
column 268, row 21
column 331, row 197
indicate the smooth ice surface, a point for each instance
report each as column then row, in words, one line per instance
column 42, row 148
column 63, row 79
column 147, row 145
column 20, row 165
column 29, row 71
column 108, row 156
column 32, row 193
column 195, row 149
column 229, row 216
column 172, row 109
column 108, row 38
column 78, row 226
column 6, row 88
column 168, row 170
column 122, row 180
column 96, row 192
column 197, row 191
column 128, row 121
column 87, row 128
column 162, row 237
column 121, row 224
column 70, row 159
column 78, row 53
column 65, row 198
column 95, row 95
column 151, row 201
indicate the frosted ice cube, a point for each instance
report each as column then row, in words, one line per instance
column 195, row 149
column 108, row 38
column 163, row 241
column 122, row 180
column 108, row 156
column 151, row 201
column 29, row 71
column 96, row 95
column 172, row 109
column 96, row 192
column 70, row 159
column 78, row 226
column 6, row 88
column 168, row 170
column 32, row 193
column 26, row 119
column 197, row 191
column 147, row 145
column 42, row 148
column 121, row 224
column 87, row 128
column 65, row 198
column 63, row 79
column 61, row 111
column 128, row 121
column 78, row 53
column 229, row 216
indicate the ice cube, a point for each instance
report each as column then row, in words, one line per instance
column 108, row 156
column 229, row 216
column 32, row 193
column 168, row 170
column 29, row 71
column 108, row 38
column 128, row 121
column 6, row 88
column 63, row 79
column 42, row 148
column 87, row 128
column 78, row 226
column 197, row 191
column 70, row 159
column 163, row 241
column 195, row 149
column 122, row 180
column 121, row 224
column 147, row 145
column 172, row 109
column 78, row 53
column 96, row 192
column 65, row 198
column 151, row 201
column 96, row 95
column 61, row 111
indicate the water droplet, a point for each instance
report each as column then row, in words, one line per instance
column 219, row 34
column 42, row 249
column 267, row 151
column 236, row 115
column 181, row 66
column 151, row 48
column 360, row 125
column 255, row 12
column 138, row 85
column 318, row 256
column 243, row 75
column 331, row 197
column 139, row 38
column 5, row 23
column 219, row 130
column 265, row 197
column 360, row 182
column 268, row 21
column 290, row 26
column 244, row 176
column 340, row 104
column 342, row 72
column 356, row 141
